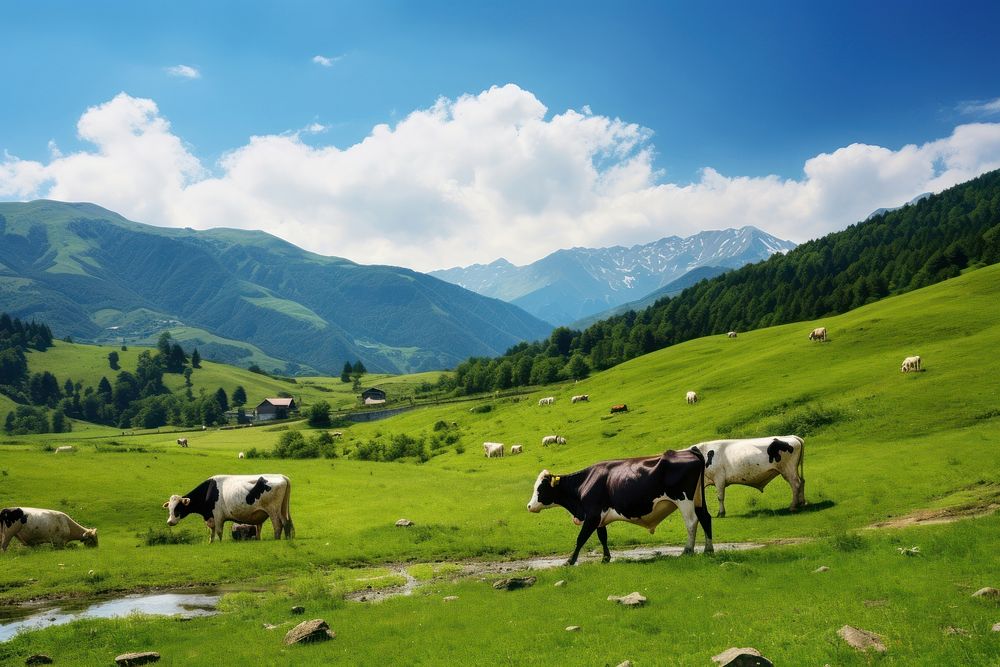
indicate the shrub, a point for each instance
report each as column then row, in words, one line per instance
column 481, row 409
column 157, row 536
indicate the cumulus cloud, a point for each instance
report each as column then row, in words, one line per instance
column 980, row 108
column 327, row 61
column 184, row 71
column 472, row 179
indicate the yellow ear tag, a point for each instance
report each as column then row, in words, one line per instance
column 554, row 481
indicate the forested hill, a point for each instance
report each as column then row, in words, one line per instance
column 888, row 254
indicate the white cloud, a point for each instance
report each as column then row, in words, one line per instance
column 473, row 179
column 980, row 108
column 183, row 71
column 327, row 61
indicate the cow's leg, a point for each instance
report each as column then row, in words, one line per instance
column 8, row 535
column 705, row 519
column 720, row 491
column 798, row 489
column 602, row 535
column 586, row 530
column 690, row 522
column 277, row 525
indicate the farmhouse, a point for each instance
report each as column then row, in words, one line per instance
column 275, row 408
column 373, row 396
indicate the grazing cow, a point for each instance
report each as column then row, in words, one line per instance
column 492, row 449
column 731, row 334
column 553, row 440
column 819, row 333
column 65, row 448
column 183, row 442
column 692, row 397
column 241, row 498
column 37, row 526
column 754, row 462
column 643, row 491
column 245, row 531
column 548, row 400
column 580, row 398
column 337, row 434
column 516, row 449
column 241, row 455
column 619, row 408
column 909, row 364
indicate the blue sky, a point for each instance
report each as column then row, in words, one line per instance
column 749, row 90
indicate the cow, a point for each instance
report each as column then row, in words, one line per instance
column 241, row 455
column 643, row 491
column 32, row 527
column 516, row 449
column 492, row 449
column 754, row 462
column 580, row 398
column 65, row 448
column 240, row 498
column 619, row 408
column 337, row 434
column 183, row 442
column 731, row 334
column 245, row 531
column 548, row 400
column 909, row 364
column 692, row 397
column 553, row 440
column 819, row 333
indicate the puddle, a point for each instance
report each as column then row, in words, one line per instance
column 474, row 568
column 187, row 605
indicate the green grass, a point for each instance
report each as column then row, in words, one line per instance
column 879, row 444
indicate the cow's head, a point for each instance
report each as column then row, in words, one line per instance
column 89, row 537
column 543, row 496
column 177, row 509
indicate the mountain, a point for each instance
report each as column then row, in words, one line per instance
column 569, row 285
column 239, row 296
column 671, row 289
column 880, row 211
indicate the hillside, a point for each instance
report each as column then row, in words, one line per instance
column 242, row 297
column 575, row 283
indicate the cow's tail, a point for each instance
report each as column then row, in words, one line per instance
column 286, row 515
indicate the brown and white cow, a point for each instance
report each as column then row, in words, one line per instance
column 643, row 491
column 33, row 526
column 619, row 408
column 819, row 333
column 183, row 442
column 754, row 462
column 241, row 498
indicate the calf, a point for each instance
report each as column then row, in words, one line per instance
column 754, row 462
column 32, row 527
column 731, row 334
column 643, row 491
column 548, row 400
column 581, row 397
column 245, row 531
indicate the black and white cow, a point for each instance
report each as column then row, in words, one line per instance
column 241, row 498
column 32, row 526
column 643, row 491
column 754, row 462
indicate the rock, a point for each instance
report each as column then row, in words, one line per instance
column 635, row 599
column 560, row 583
column 952, row 630
column 404, row 523
column 996, row 627
column 143, row 658
column 862, row 640
column 268, row 626
column 450, row 598
column 572, row 628
column 38, row 659
column 309, row 631
column 514, row 583
column 988, row 592
column 627, row 663
column 742, row 657
column 298, row 610
column 821, row 568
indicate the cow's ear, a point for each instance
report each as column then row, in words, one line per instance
column 186, row 501
column 554, row 481
column 166, row 504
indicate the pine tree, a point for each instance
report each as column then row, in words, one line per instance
column 195, row 359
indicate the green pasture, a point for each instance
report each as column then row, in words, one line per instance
column 879, row 444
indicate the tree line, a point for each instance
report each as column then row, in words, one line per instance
column 888, row 254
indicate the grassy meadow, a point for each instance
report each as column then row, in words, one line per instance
column 879, row 445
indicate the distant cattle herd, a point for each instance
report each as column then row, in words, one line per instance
column 642, row 491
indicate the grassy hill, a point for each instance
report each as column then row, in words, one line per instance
column 879, row 445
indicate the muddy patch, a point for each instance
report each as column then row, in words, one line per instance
column 475, row 568
column 932, row 517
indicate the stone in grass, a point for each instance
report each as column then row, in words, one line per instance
column 404, row 523
column 996, row 627
column 742, row 657
column 513, row 583
column 315, row 630
column 634, row 599
column 298, row 609
column 450, row 598
column 821, row 568
column 560, row 583
column 988, row 593
column 572, row 628
column 627, row 663
column 861, row 640
column 38, row 659
column 142, row 658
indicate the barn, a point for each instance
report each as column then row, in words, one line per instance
column 373, row 396
column 275, row 408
